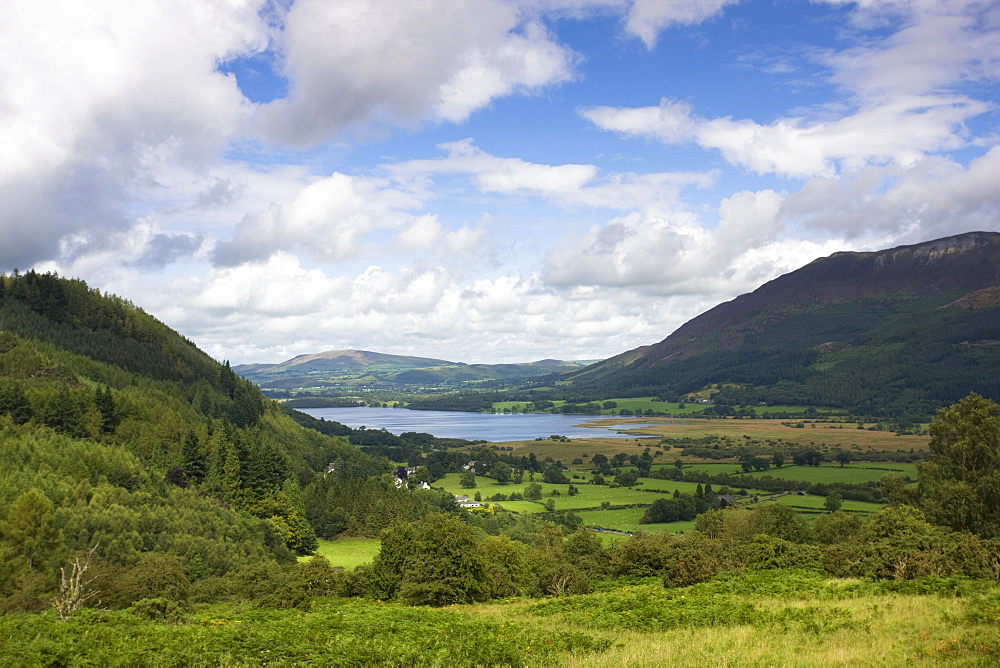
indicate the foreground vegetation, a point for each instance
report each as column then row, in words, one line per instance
column 765, row 618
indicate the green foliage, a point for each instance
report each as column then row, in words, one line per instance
column 768, row 552
column 435, row 561
column 357, row 505
column 836, row 527
column 960, row 485
column 100, row 405
column 334, row 632
column 158, row 609
column 153, row 576
column 29, row 531
column 898, row 543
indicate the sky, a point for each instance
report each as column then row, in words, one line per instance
column 481, row 180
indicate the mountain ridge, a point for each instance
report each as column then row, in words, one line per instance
column 838, row 299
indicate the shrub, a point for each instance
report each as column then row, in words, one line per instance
column 693, row 558
column 154, row 576
column 767, row 552
column 158, row 609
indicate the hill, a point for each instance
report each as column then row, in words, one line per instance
column 894, row 332
column 120, row 440
column 346, row 370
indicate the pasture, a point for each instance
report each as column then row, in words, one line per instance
column 347, row 552
column 810, row 502
column 589, row 496
column 627, row 519
column 827, row 473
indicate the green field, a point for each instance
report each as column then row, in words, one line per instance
column 688, row 487
column 590, row 496
column 811, row 502
column 642, row 404
column 627, row 519
column 811, row 474
column 348, row 552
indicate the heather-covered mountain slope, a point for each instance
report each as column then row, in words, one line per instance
column 904, row 330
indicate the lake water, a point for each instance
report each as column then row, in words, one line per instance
column 493, row 427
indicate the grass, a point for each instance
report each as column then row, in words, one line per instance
column 811, row 502
column 754, row 618
column 813, row 474
column 348, row 552
column 627, row 519
column 589, row 496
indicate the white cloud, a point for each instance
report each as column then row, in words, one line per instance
column 278, row 287
column 354, row 61
column 901, row 104
column 932, row 198
column 526, row 61
column 900, row 131
column 90, row 92
column 328, row 220
column 647, row 18
column 567, row 184
column 633, row 250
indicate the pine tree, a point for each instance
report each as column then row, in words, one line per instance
column 109, row 412
column 195, row 466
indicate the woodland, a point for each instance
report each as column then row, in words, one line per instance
column 156, row 507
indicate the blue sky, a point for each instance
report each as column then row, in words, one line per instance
column 481, row 180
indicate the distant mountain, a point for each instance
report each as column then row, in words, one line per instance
column 344, row 369
column 897, row 331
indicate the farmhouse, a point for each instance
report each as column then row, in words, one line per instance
column 465, row 502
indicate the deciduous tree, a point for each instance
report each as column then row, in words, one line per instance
column 960, row 485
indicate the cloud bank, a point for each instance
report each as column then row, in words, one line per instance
column 279, row 178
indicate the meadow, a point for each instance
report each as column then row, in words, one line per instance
column 827, row 473
column 347, row 552
column 811, row 503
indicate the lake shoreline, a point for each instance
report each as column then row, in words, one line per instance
column 490, row 427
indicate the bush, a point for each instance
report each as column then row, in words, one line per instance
column 158, row 609
column 154, row 576
column 768, row 552
column 693, row 558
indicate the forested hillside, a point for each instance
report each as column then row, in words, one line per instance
column 121, row 439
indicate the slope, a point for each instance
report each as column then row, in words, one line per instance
column 905, row 330
column 118, row 436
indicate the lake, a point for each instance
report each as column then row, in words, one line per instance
column 493, row 427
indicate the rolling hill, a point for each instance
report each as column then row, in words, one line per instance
column 894, row 332
column 355, row 369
